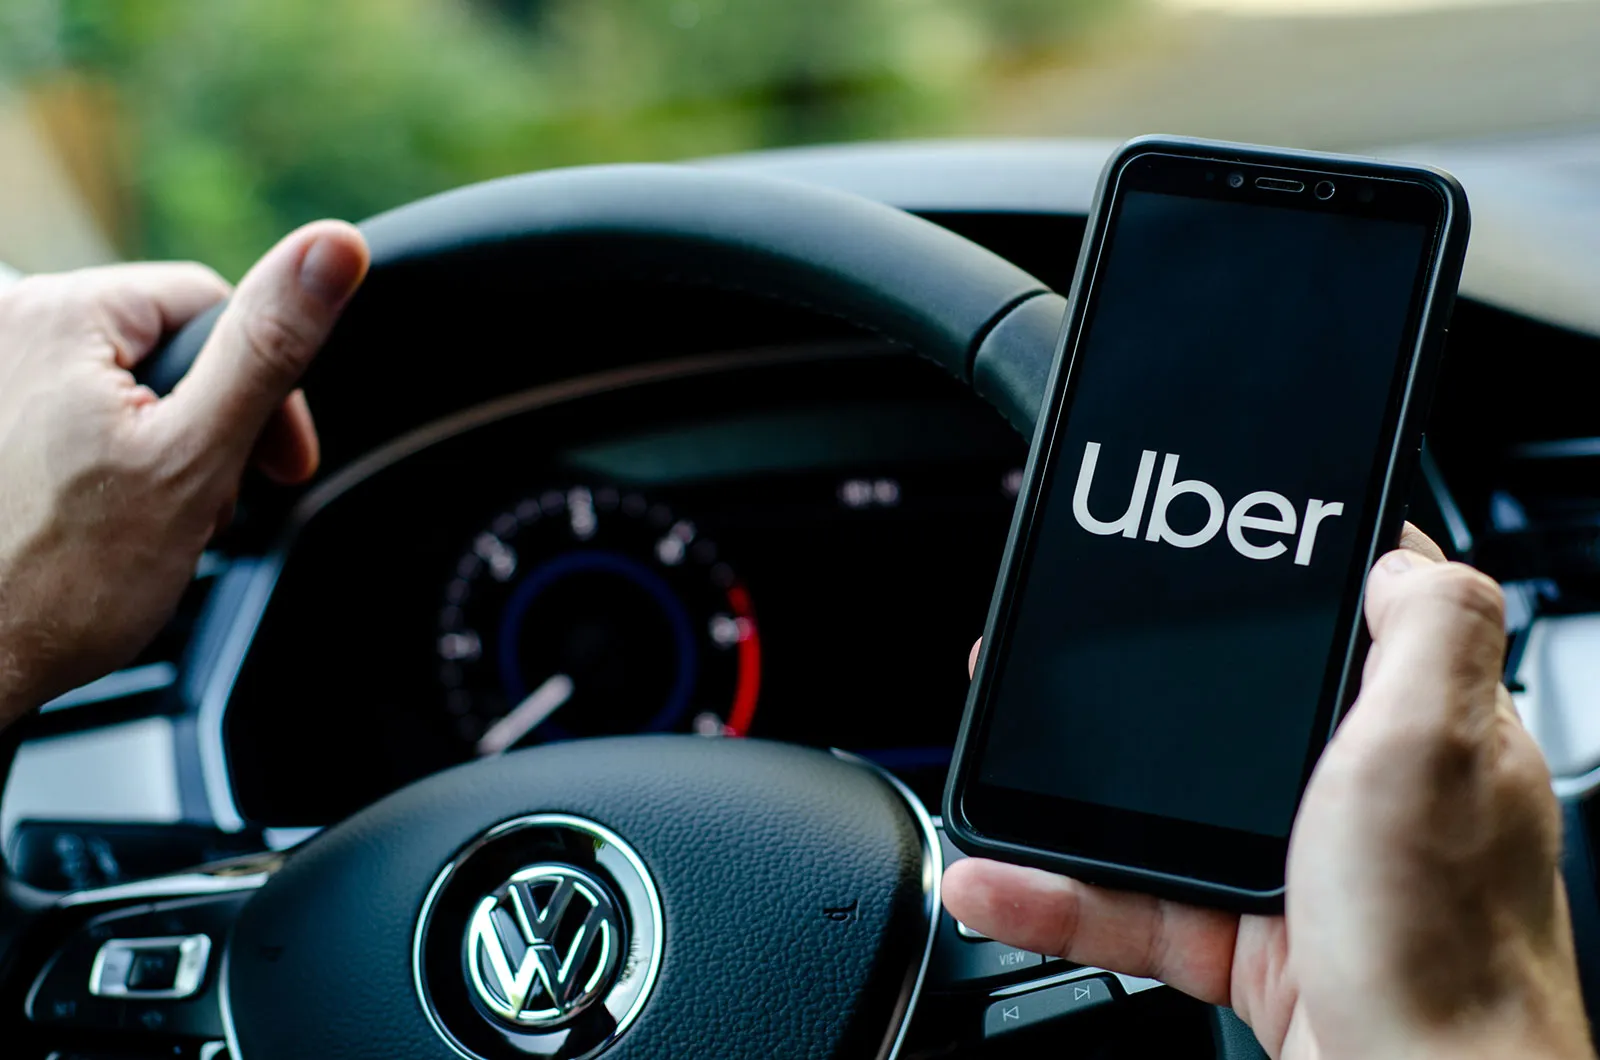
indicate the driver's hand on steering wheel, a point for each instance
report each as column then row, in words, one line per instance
column 1425, row 914
column 108, row 493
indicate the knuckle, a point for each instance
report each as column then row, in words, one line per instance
column 48, row 307
column 1524, row 801
column 1472, row 591
column 1455, row 753
column 32, row 292
column 1444, row 759
column 276, row 343
column 1062, row 932
column 1412, row 758
column 1526, row 811
column 201, row 274
column 122, row 319
column 1522, row 765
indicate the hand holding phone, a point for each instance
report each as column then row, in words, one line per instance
column 1426, row 914
column 1225, row 448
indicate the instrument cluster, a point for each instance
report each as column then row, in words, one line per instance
column 587, row 610
column 796, row 551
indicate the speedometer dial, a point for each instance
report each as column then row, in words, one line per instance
column 587, row 611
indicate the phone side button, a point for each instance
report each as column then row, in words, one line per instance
column 1028, row 1010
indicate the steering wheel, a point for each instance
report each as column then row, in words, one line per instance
column 654, row 897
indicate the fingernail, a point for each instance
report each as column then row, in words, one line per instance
column 329, row 272
column 1398, row 562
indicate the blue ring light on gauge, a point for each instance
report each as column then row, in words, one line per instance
column 602, row 562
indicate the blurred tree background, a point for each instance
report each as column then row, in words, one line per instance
column 206, row 128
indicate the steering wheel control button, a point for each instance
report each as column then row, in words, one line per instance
column 544, row 946
column 541, row 938
column 963, row 958
column 1041, row 1006
column 144, row 971
column 153, row 970
column 970, row 934
column 986, row 960
column 167, row 969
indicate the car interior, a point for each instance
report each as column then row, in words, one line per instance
column 670, row 498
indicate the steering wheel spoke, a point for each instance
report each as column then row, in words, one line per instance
column 130, row 971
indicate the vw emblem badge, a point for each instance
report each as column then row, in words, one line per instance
column 551, row 961
column 543, row 946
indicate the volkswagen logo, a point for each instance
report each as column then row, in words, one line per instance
column 543, row 945
column 540, row 940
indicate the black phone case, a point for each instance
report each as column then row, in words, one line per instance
column 1404, row 455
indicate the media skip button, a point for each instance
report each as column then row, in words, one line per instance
column 1040, row 1006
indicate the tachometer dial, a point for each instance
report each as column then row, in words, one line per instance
column 588, row 611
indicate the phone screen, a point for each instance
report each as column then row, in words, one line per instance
column 1205, row 514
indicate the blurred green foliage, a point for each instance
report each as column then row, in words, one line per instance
column 241, row 118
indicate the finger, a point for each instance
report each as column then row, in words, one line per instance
column 139, row 304
column 972, row 657
column 1416, row 544
column 1415, row 540
column 1184, row 946
column 1441, row 631
column 287, row 451
column 283, row 310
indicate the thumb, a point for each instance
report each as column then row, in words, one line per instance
column 278, row 318
column 1439, row 634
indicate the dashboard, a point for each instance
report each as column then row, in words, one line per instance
column 794, row 544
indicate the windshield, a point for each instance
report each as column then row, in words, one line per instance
column 171, row 128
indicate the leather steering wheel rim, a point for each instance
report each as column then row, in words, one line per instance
column 988, row 323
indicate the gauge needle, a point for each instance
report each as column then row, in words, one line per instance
column 527, row 715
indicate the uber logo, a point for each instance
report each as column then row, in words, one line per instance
column 1273, row 512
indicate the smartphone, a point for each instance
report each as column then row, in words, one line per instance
column 1227, row 442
